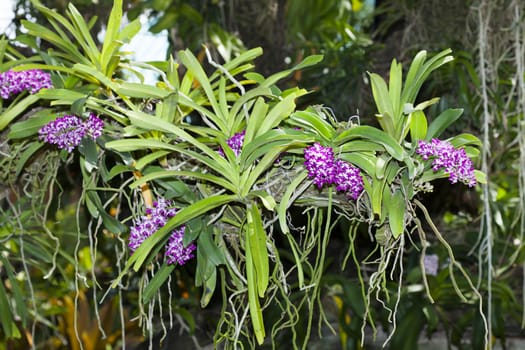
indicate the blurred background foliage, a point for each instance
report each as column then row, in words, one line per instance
column 486, row 80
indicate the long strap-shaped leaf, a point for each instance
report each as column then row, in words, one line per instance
column 110, row 39
column 15, row 110
column 193, row 65
column 256, row 269
column 149, row 122
column 375, row 135
column 188, row 174
column 256, row 244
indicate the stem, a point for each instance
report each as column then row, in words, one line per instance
column 147, row 194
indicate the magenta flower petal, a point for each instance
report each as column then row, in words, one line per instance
column 155, row 218
column 319, row 161
column 453, row 161
column 68, row 131
column 235, row 143
column 348, row 179
column 176, row 252
column 33, row 80
column 326, row 170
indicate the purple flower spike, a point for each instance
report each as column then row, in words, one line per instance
column 176, row 253
column 454, row 162
column 319, row 161
column 33, row 80
column 94, row 126
column 155, row 218
column 348, row 179
column 68, row 131
column 326, row 170
column 235, row 143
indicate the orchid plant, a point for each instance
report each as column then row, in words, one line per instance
column 220, row 191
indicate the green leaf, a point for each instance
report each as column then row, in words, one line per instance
column 65, row 95
column 78, row 107
column 481, row 177
column 465, row 139
column 26, row 155
column 193, row 65
column 442, row 121
column 168, row 109
column 209, row 256
column 256, row 244
column 375, row 135
column 307, row 62
column 259, row 111
column 20, row 305
column 205, row 177
column 117, row 170
column 361, row 146
column 273, row 140
column 418, row 125
column 396, row 213
column 70, row 50
column 149, row 158
column 84, row 37
column 88, row 148
column 278, row 112
column 266, row 199
column 376, row 196
column 6, row 318
column 129, row 31
column 113, row 225
column 192, row 230
column 381, row 166
column 245, row 56
column 416, row 78
column 383, row 103
column 313, row 122
column 156, row 282
column 253, row 299
column 110, row 38
column 208, row 288
column 415, row 67
column 394, row 89
column 205, row 270
column 209, row 248
column 92, row 73
column 149, row 122
column 425, row 104
column 15, row 110
column 138, row 90
column 286, row 202
column 31, row 126
column 365, row 162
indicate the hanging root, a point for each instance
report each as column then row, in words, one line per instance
column 377, row 284
column 454, row 263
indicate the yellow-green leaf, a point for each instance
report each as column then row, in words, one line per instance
column 396, row 213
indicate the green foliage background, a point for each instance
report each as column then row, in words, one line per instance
column 485, row 228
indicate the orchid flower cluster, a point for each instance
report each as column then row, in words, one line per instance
column 68, row 131
column 326, row 170
column 453, row 161
column 33, row 80
column 235, row 143
column 154, row 219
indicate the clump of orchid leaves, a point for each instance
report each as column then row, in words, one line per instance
column 219, row 192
